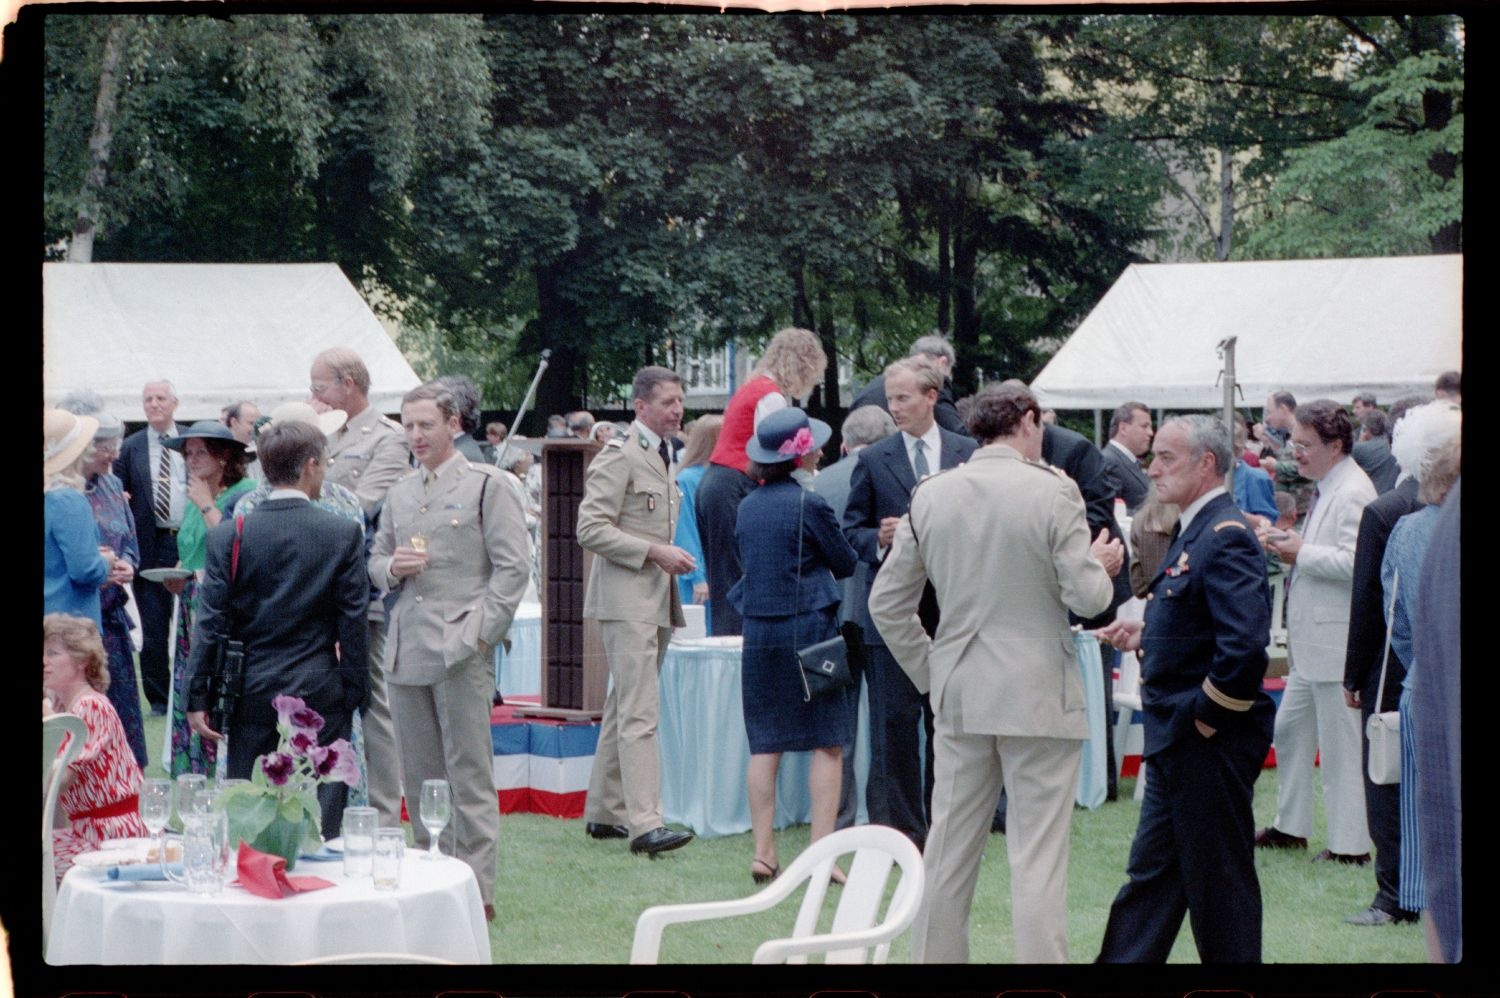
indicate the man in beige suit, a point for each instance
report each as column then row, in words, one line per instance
column 627, row 519
column 366, row 455
column 452, row 545
column 1004, row 540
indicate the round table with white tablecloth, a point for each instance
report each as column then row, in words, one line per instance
column 436, row 912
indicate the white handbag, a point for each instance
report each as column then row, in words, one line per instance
column 1383, row 729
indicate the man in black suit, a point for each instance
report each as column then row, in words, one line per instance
column 1208, row 724
column 1129, row 440
column 1372, row 451
column 898, row 791
column 155, row 477
column 466, row 396
column 297, row 598
column 939, row 352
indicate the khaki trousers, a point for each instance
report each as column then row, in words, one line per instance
column 1040, row 776
column 625, row 785
column 382, row 758
column 443, row 731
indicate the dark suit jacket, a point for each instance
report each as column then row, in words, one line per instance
column 1374, row 456
column 776, row 583
column 469, row 448
column 1366, row 600
column 1127, row 479
column 945, row 415
column 832, row 483
column 1081, row 461
column 300, row 588
column 1208, row 620
column 133, row 468
column 880, row 486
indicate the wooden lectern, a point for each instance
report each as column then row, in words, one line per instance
column 575, row 672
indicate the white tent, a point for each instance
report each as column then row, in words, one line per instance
column 219, row 332
column 1317, row 328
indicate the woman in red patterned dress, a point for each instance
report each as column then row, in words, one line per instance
column 99, row 788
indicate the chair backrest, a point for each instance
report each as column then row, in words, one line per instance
column 54, row 730
column 1127, row 691
column 877, row 850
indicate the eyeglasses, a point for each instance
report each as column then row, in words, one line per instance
column 1300, row 449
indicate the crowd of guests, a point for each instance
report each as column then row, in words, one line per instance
column 409, row 546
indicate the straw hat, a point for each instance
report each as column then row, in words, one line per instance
column 329, row 422
column 64, row 437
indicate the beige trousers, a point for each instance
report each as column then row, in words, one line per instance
column 625, row 785
column 382, row 758
column 1040, row 776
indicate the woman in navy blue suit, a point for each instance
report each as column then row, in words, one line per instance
column 787, row 604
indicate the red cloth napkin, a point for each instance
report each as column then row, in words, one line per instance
column 265, row 875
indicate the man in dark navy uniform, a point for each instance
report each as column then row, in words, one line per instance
column 1208, row 725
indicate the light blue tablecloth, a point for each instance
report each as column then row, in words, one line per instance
column 519, row 672
column 704, row 749
column 1093, row 772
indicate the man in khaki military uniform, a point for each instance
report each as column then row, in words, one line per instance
column 627, row 519
column 452, row 545
column 1005, row 542
column 366, row 456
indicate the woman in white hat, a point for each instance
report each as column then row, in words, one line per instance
column 75, row 564
column 106, row 497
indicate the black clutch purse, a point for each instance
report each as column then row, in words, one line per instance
column 824, row 667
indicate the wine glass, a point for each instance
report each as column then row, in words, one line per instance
column 156, row 804
column 437, row 808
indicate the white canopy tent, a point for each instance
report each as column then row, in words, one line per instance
column 1316, row 328
column 220, row 332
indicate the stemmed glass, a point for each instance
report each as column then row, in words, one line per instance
column 437, row 808
column 156, row 805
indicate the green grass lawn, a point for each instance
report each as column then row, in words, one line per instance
column 564, row 898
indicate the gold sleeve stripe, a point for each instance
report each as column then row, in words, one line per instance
column 1223, row 700
column 1228, row 523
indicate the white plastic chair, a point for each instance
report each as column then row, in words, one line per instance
column 854, row 934
column 1277, row 647
column 54, row 729
column 1127, row 701
column 373, row 958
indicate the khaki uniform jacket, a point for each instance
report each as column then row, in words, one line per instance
column 477, row 570
column 367, row 456
column 1006, row 545
column 629, row 503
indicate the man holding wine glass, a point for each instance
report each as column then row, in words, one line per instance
column 452, row 547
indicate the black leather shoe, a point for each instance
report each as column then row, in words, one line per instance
column 1379, row 916
column 598, row 831
column 1272, row 837
column 660, row 840
column 1346, row 858
column 997, row 826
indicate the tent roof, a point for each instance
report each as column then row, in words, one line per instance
column 220, row 332
column 1317, row 328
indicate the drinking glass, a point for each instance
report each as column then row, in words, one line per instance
column 390, row 845
column 156, row 805
column 437, row 808
column 205, row 853
column 359, row 840
column 189, row 785
column 419, row 542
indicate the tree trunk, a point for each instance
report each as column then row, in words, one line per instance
column 829, row 404
column 965, row 309
column 801, row 311
column 559, row 390
column 945, row 274
column 81, row 246
column 1226, row 204
column 1437, row 111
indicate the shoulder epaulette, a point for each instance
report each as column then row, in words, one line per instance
column 1044, row 466
column 390, row 423
column 616, row 442
column 1229, row 523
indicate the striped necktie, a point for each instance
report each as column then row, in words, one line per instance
column 161, row 498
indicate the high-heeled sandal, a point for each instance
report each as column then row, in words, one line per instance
column 768, row 871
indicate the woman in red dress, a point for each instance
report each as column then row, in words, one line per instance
column 99, row 788
column 790, row 369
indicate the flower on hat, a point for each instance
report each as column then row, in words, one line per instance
column 797, row 444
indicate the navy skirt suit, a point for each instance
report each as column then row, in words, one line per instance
column 781, row 615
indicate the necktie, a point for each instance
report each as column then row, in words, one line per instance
column 666, row 459
column 161, row 497
column 919, row 460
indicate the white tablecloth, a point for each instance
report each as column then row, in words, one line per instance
column 436, row 912
column 518, row 672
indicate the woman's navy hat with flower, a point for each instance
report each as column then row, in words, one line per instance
column 786, row 435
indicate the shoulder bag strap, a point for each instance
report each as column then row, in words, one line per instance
column 1385, row 654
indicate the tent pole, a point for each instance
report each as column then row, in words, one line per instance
column 1226, row 351
column 1098, row 427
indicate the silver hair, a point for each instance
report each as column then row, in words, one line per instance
column 87, row 402
column 512, row 457
column 1207, row 433
column 866, row 425
column 933, row 346
column 1419, row 434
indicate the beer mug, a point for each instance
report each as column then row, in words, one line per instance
column 205, row 853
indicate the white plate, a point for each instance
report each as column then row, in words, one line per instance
column 163, row 574
column 122, row 854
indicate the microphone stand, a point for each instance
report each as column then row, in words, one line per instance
column 525, row 404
